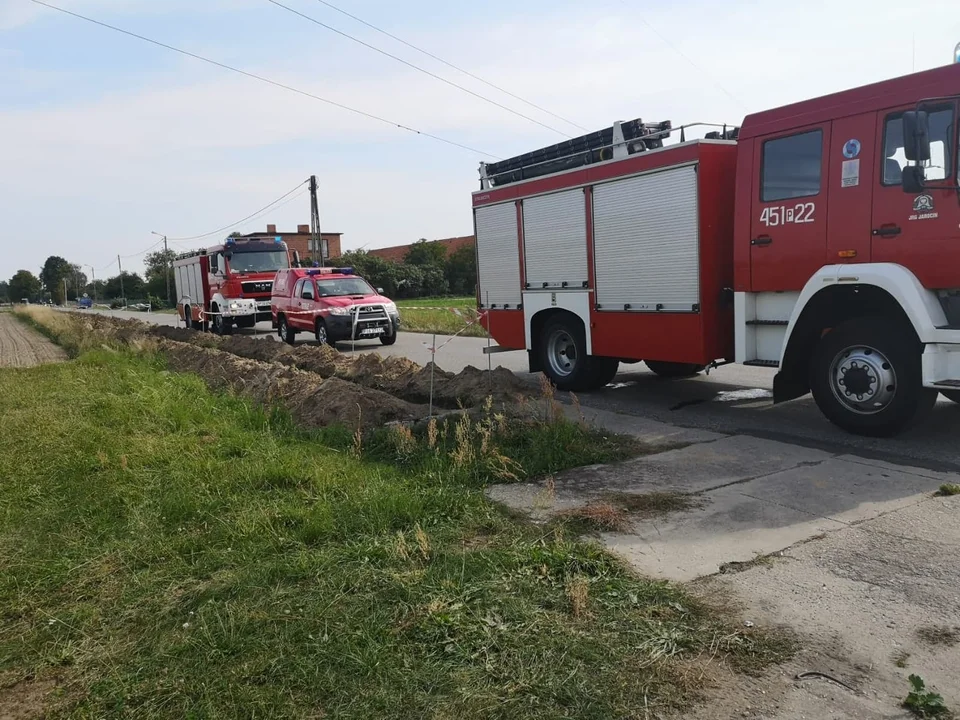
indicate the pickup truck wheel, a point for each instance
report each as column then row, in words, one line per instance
column 602, row 370
column 388, row 339
column 674, row 369
column 320, row 333
column 285, row 332
column 563, row 355
column 866, row 377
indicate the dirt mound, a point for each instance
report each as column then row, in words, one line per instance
column 396, row 376
column 311, row 400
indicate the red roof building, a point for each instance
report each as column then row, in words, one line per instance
column 396, row 253
column 300, row 241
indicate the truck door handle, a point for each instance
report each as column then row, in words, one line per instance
column 887, row 230
column 762, row 240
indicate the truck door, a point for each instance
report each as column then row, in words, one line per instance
column 788, row 239
column 918, row 231
column 305, row 305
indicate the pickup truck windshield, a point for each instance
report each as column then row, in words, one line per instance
column 344, row 286
column 258, row 262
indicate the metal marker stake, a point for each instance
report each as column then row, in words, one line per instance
column 433, row 365
column 489, row 356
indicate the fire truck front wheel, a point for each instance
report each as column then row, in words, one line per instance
column 220, row 325
column 866, row 377
column 563, row 355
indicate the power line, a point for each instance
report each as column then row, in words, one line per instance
column 450, row 64
column 417, row 67
column 240, row 222
column 263, row 79
column 682, row 54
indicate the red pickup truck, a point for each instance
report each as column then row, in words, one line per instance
column 332, row 303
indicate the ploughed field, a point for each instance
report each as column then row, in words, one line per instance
column 21, row 346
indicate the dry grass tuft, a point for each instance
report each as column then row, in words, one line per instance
column 578, row 593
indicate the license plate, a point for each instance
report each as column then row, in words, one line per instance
column 372, row 331
column 263, row 305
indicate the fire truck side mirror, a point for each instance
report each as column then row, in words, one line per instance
column 296, row 258
column 912, row 179
column 916, row 136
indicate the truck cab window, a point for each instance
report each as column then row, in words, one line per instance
column 214, row 263
column 298, row 288
column 791, row 166
column 894, row 159
column 307, row 292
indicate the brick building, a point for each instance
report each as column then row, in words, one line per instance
column 396, row 253
column 300, row 240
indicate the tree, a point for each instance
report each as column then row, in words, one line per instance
column 159, row 272
column 4, row 291
column 76, row 281
column 461, row 271
column 424, row 253
column 54, row 271
column 133, row 287
column 24, row 286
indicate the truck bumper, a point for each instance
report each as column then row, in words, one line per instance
column 339, row 327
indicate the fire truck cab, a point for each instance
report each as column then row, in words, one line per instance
column 821, row 239
column 333, row 304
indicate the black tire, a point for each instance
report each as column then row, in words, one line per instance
column 674, row 369
column 951, row 395
column 286, row 333
column 388, row 339
column 884, row 359
column 320, row 333
column 247, row 323
column 217, row 323
column 563, row 340
column 603, row 370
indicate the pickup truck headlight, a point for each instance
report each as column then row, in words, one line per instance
column 341, row 311
column 391, row 308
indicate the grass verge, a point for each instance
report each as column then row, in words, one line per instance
column 444, row 302
column 172, row 553
column 442, row 322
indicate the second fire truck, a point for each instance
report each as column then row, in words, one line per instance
column 229, row 285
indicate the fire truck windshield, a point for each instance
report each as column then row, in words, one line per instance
column 258, row 262
column 343, row 286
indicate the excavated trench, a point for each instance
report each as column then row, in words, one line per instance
column 316, row 384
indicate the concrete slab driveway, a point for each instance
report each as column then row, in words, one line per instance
column 857, row 556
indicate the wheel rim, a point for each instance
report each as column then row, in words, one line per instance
column 282, row 331
column 863, row 379
column 217, row 321
column 321, row 334
column 562, row 353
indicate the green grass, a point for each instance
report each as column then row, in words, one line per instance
column 443, row 302
column 172, row 553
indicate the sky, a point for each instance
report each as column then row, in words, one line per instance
column 105, row 139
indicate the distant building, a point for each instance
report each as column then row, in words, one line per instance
column 300, row 241
column 396, row 253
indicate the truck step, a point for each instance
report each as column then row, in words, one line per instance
column 783, row 323
column 948, row 383
column 763, row 363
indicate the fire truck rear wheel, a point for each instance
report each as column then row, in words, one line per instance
column 674, row 369
column 866, row 377
column 563, row 355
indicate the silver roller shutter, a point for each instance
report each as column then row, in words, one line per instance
column 647, row 242
column 555, row 239
column 498, row 254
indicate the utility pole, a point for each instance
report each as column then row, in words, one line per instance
column 93, row 282
column 64, row 292
column 167, row 266
column 316, row 238
column 123, row 296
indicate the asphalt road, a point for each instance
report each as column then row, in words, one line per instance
column 733, row 399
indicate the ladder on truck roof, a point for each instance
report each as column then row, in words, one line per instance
column 613, row 143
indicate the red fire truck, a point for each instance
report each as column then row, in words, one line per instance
column 821, row 238
column 230, row 284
